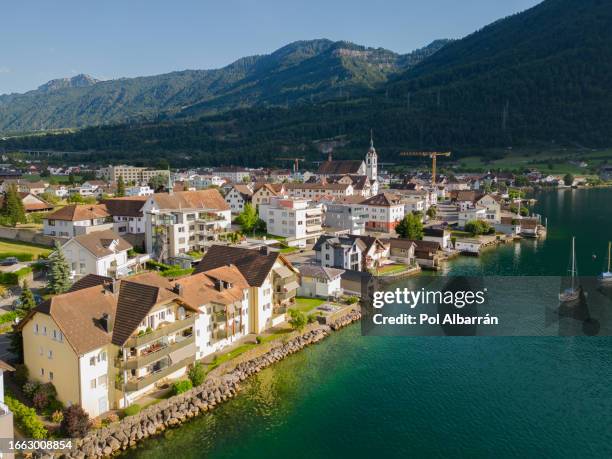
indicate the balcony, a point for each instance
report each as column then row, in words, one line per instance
column 135, row 384
column 163, row 330
column 156, row 353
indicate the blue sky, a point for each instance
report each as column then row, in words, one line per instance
column 41, row 39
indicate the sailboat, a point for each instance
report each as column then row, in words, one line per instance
column 572, row 293
column 606, row 277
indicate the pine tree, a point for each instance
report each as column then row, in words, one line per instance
column 120, row 187
column 26, row 301
column 12, row 207
column 59, row 271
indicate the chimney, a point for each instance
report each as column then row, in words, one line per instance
column 219, row 285
column 264, row 250
column 107, row 323
column 178, row 289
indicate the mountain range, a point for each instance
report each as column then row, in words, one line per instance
column 312, row 70
column 536, row 79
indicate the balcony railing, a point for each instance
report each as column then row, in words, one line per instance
column 140, row 340
column 165, row 349
column 140, row 383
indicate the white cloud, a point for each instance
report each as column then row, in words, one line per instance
column 5, row 70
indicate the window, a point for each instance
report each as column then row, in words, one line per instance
column 93, row 383
column 50, row 376
column 92, row 361
column 40, row 351
column 102, row 357
column 102, row 380
column 44, row 332
column 50, row 354
column 42, row 371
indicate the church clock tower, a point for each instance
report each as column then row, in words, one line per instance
column 372, row 161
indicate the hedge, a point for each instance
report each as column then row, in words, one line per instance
column 177, row 272
column 15, row 277
column 26, row 418
column 152, row 264
column 132, row 409
column 181, row 386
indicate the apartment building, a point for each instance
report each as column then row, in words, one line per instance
column 298, row 220
column 233, row 174
column 132, row 174
column 346, row 216
column 317, row 190
column 272, row 280
column 75, row 219
column 385, row 210
column 177, row 223
column 127, row 214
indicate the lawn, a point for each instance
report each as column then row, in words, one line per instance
column 392, row 269
column 10, row 246
column 289, row 250
column 230, row 355
column 307, row 304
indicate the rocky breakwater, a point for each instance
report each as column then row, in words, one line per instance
column 180, row 408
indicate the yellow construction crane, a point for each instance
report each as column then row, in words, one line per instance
column 296, row 162
column 428, row 154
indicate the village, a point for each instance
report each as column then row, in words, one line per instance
column 130, row 286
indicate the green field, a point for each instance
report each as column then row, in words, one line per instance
column 9, row 246
column 307, row 304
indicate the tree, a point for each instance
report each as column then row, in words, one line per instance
column 197, row 373
column 120, row 187
column 26, row 301
column 12, row 207
column 431, row 212
column 568, row 179
column 75, row 422
column 59, row 271
column 298, row 319
column 158, row 183
column 248, row 218
column 410, row 227
column 477, row 227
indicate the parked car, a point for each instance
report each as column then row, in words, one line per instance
column 9, row 261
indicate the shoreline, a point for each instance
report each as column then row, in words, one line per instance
column 218, row 388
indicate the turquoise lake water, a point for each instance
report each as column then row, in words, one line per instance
column 354, row 396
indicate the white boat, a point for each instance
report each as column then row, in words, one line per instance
column 606, row 277
column 572, row 293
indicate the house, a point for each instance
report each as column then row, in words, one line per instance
column 139, row 190
column 362, row 186
column 104, row 344
column 529, row 227
column 438, row 234
column 61, row 191
column 471, row 214
column 263, row 192
column 31, row 202
column 509, row 224
column 233, row 174
column 204, row 181
column 6, row 416
column 320, row 281
column 222, row 297
column 340, row 252
column 492, row 203
column 428, row 254
column 468, row 246
column 103, row 253
column 127, row 214
column 385, row 210
column 238, row 196
column 402, row 250
column 178, row 223
column 77, row 219
column 298, row 220
column 132, row 174
column 272, row 280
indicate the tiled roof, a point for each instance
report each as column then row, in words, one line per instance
column 382, row 199
column 200, row 289
column 200, row 199
column 253, row 264
column 75, row 212
column 350, row 166
column 98, row 243
column 90, row 280
column 321, row 272
column 130, row 206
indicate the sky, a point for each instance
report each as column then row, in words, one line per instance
column 41, row 40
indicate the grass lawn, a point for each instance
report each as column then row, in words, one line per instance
column 289, row 250
column 461, row 233
column 306, row 304
column 276, row 334
column 12, row 246
column 392, row 269
column 230, row 355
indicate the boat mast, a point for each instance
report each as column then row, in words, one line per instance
column 609, row 245
column 573, row 260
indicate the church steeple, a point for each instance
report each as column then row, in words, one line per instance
column 372, row 160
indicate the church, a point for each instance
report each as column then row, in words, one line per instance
column 363, row 175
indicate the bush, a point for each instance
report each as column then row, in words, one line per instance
column 298, row 319
column 26, row 418
column 57, row 416
column 15, row 277
column 312, row 317
column 352, row 300
column 30, row 388
column 111, row 418
column 40, row 400
column 181, row 386
column 132, row 410
column 8, row 317
column 95, row 423
column 197, row 373
column 258, row 339
column 75, row 422
column 21, row 374
column 20, row 256
column 177, row 272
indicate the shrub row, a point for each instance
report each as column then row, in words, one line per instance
column 19, row 255
column 16, row 277
column 26, row 418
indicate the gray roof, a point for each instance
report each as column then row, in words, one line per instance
column 321, row 272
